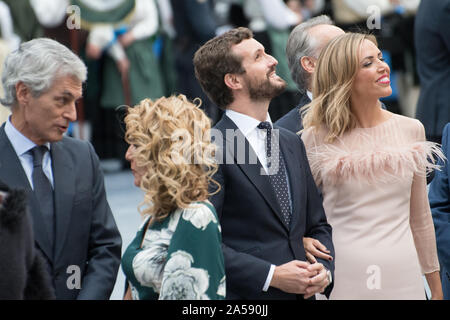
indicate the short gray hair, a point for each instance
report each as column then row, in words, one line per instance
column 300, row 45
column 37, row 63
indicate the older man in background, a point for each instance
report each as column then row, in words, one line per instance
column 304, row 45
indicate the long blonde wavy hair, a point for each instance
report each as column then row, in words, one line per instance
column 178, row 163
column 332, row 86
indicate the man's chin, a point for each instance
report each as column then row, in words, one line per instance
column 279, row 89
column 56, row 137
column 268, row 94
column 268, row 90
column 279, row 83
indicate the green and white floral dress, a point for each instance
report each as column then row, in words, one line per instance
column 180, row 258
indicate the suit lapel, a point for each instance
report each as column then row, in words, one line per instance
column 64, row 191
column 251, row 170
column 12, row 173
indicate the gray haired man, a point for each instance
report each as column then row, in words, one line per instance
column 73, row 224
column 305, row 43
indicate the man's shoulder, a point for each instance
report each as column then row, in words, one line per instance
column 75, row 147
column 80, row 153
column 294, row 113
column 291, row 120
column 291, row 140
column 71, row 142
column 286, row 133
column 223, row 123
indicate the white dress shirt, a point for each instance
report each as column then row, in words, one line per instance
column 257, row 139
column 22, row 145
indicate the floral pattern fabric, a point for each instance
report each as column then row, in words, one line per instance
column 180, row 259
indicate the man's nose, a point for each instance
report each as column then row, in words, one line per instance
column 272, row 61
column 71, row 112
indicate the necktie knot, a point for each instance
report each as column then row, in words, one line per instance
column 38, row 153
column 265, row 125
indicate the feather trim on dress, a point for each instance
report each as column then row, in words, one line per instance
column 373, row 162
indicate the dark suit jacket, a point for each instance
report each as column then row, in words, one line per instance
column 439, row 195
column 253, row 232
column 432, row 43
column 292, row 120
column 86, row 233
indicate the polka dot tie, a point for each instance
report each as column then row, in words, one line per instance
column 278, row 177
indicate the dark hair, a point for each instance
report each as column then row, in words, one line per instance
column 214, row 60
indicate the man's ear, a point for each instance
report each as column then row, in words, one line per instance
column 22, row 93
column 232, row 81
column 307, row 64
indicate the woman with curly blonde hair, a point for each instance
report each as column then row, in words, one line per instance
column 177, row 252
column 371, row 166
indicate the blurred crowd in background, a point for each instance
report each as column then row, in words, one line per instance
column 137, row 49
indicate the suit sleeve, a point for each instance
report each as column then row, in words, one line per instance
column 105, row 243
column 246, row 274
column 439, row 196
column 317, row 226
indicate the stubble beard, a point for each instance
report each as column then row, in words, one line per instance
column 265, row 90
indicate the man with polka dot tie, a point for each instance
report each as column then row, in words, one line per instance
column 268, row 199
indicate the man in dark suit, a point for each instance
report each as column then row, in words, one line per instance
column 439, row 196
column 72, row 221
column 432, row 43
column 268, row 199
column 305, row 43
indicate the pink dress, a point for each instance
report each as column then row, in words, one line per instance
column 374, row 188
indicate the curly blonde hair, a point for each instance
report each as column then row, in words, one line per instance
column 172, row 144
column 332, row 86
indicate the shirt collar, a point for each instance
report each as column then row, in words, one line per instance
column 20, row 143
column 309, row 94
column 245, row 123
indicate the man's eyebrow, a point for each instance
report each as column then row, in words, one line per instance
column 69, row 94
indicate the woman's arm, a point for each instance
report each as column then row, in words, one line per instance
column 422, row 228
column 434, row 282
column 314, row 248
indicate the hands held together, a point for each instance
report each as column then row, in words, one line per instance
column 300, row 277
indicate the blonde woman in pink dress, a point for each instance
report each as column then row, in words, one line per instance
column 371, row 166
